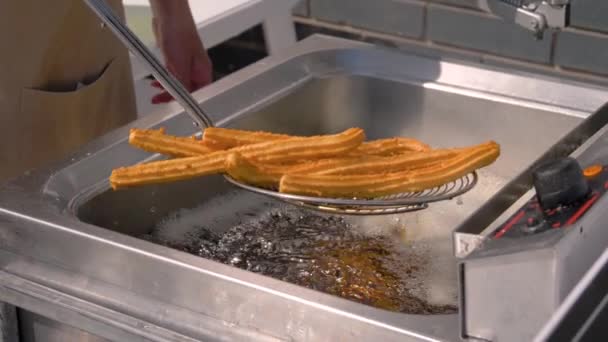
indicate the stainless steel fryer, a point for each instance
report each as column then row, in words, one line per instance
column 69, row 248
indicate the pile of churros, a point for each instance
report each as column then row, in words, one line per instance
column 342, row 165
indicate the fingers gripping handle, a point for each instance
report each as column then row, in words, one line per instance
column 170, row 83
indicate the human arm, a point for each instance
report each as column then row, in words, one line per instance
column 177, row 37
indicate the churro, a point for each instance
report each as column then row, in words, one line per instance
column 225, row 138
column 381, row 165
column 299, row 148
column 340, row 165
column 214, row 162
column 269, row 176
column 157, row 141
column 244, row 171
column 165, row 171
column 377, row 185
column 391, row 146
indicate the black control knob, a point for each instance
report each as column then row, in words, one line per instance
column 560, row 182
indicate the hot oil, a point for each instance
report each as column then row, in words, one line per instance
column 326, row 253
column 401, row 263
column 429, row 232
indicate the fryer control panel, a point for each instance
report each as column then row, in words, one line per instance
column 565, row 192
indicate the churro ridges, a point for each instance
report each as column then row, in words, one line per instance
column 244, row 171
column 380, row 165
column 376, row 185
column 449, row 170
column 168, row 170
column 214, row 162
column 378, row 176
column 225, row 138
column 156, row 141
column 391, row 146
column 298, row 148
column 339, row 165
column 269, row 175
column 314, row 166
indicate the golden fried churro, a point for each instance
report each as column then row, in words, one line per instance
column 224, row 138
column 168, row 170
column 157, row 141
column 376, row 185
column 299, row 148
column 246, row 172
column 450, row 170
column 286, row 150
column 391, row 146
column 269, row 175
column 381, row 165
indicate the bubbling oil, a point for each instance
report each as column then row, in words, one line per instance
column 321, row 252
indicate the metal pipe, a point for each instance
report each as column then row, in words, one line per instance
column 534, row 15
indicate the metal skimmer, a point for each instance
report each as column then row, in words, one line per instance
column 393, row 204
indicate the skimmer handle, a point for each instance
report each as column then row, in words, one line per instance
column 171, row 84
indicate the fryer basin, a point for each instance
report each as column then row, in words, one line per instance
column 62, row 228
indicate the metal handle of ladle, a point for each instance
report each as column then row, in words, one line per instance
column 171, row 84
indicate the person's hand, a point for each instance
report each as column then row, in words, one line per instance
column 185, row 55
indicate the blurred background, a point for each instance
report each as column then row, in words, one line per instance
column 450, row 29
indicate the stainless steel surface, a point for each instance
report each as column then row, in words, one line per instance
column 61, row 228
column 37, row 328
column 139, row 49
column 483, row 218
column 580, row 305
column 53, row 304
column 537, row 16
column 9, row 331
column 502, row 277
column 387, row 205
